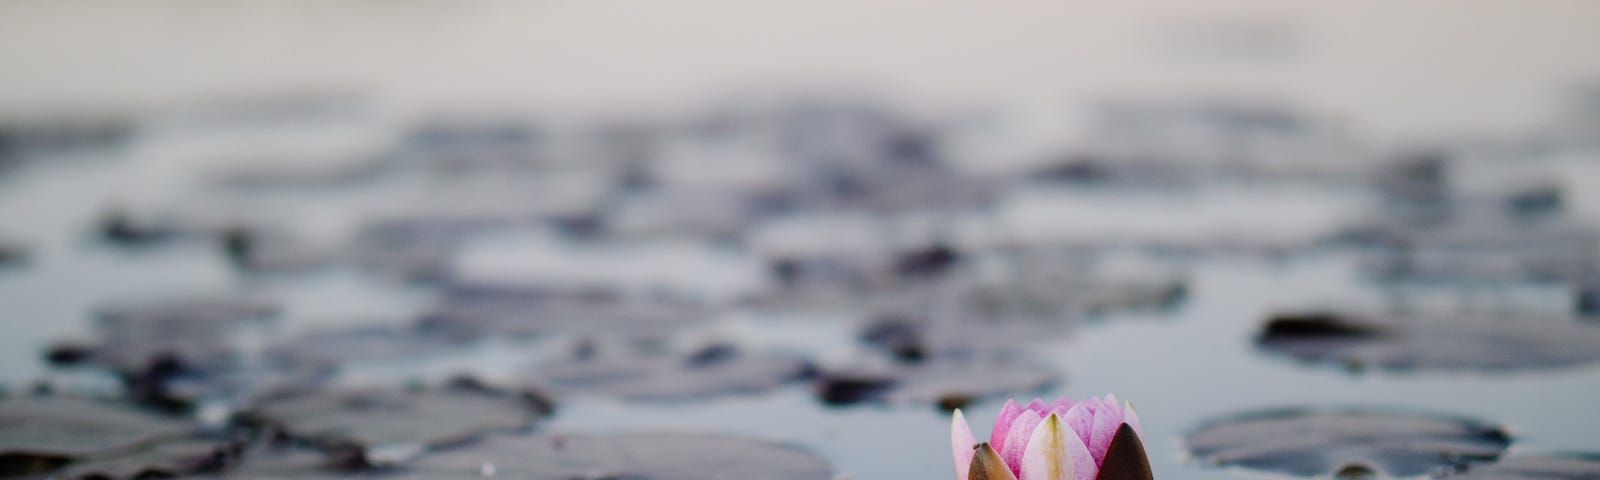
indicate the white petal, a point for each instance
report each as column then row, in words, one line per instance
column 1056, row 453
column 961, row 443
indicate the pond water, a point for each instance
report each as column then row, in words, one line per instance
column 653, row 261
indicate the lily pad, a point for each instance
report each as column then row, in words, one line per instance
column 280, row 462
column 634, row 456
column 364, row 344
column 12, row 254
column 711, row 371
column 274, row 249
column 76, row 437
column 165, row 460
column 150, row 343
column 388, row 425
column 947, row 383
column 474, row 313
column 74, row 427
column 1311, row 442
column 1473, row 244
column 1534, row 467
column 417, row 247
column 1391, row 342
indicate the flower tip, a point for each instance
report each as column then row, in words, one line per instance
column 987, row 465
column 1125, row 458
column 961, row 443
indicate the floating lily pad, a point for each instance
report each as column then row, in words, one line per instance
column 711, row 371
column 386, row 425
column 474, row 313
column 165, row 460
column 1322, row 442
column 362, row 344
column 1431, row 342
column 1534, row 467
column 150, row 343
column 75, row 437
column 1473, row 252
column 12, row 254
column 259, row 249
column 417, row 247
column 948, row 383
column 637, row 456
column 278, row 462
column 73, row 427
column 130, row 315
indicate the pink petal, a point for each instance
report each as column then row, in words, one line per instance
column 1080, row 419
column 1002, row 424
column 1094, row 404
column 1017, row 438
column 1132, row 419
column 1061, row 405
column 961, row 443
column 1056, row 453
column 1100, row 433
column 1038, row 406
column 1115, row 406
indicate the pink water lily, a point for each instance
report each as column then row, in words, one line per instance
column 1092, row 439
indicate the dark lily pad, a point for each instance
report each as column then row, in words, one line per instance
column 75, row 437
column 948, row 383
column 329, row 167
column 183, row 312
column 1534, row 467
column 268, row 249
column 269, row 460
column 362, row 344
column 165, row 460
column 1474, row 249
column 387, row 425
column 124, row 227
column 636, row 456
column 1321, row 442
column 12, row 254
column 1431, row 342
column 711, row 371
column 74, row 427
column 469, row 313
column 150, row 343
column 417, row 247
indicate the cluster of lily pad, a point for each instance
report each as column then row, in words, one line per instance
column 663, row 229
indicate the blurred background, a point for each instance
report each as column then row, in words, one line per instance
column 445, row 239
